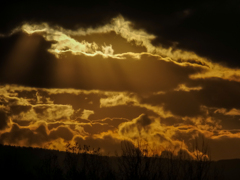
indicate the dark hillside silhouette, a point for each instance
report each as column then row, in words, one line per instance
column 88, row 163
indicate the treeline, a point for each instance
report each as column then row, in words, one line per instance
column 84, row 162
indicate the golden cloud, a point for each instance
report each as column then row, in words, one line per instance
column 167, row 96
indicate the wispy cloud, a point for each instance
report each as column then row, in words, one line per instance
column 103, row 84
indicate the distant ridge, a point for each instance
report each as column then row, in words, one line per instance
column 27, row 161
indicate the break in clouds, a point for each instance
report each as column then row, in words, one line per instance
column 101, row 85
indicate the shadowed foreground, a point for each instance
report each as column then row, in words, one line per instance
column 86, row 163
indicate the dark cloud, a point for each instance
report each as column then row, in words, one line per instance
column 17, row 109
column 24, row 136
column 218, row 147
column 4, row 119
column 30, row 95
column 206, row 28
column 61, row 132
column 54, row 125
column 83, row 101
column 138, row 124
column 187, row 135
column 104, row 125
column 22, row 122
column 97, row 128
column 214, row 92
column 180, row 103
column 41, row 109
column 161, row 138
column 3, row 100
column 147, row 74
column 18, row 67
column 115, row 122
column 27, row 94
column 143, row 120
column 217, row 92
column 228, row 122
column 120, row 111
column 16, row 135
column 92, row 72
column 172, row 121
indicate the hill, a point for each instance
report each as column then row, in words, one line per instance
column 35, row 163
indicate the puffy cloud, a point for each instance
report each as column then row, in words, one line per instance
column 116, row 99
column 86, row 113
column 53, row 112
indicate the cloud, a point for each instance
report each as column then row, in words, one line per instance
column 34, row 136
column 101, row 79
column 232, row 112
column 158, row 131
column 195, row 32
column 124, row 75
column 23, row 136
column 135, row 127
column 116, row 99
column 214, row 93
column 115, row 122
column 4, row 119
column 34, row 68
column 120, row 45
column 97, row 128
column 58, row 75
column 54, row 112
column 65, row 43
column 86, row 113
column 217, row 92
column 120, row 111
column 61, row 132
column 192, row 25
column 180, row 103
column 17, row 109
column 60, row 39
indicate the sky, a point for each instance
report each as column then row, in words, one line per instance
column 98, row 73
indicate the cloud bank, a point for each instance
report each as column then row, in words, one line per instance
column 116, row 81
